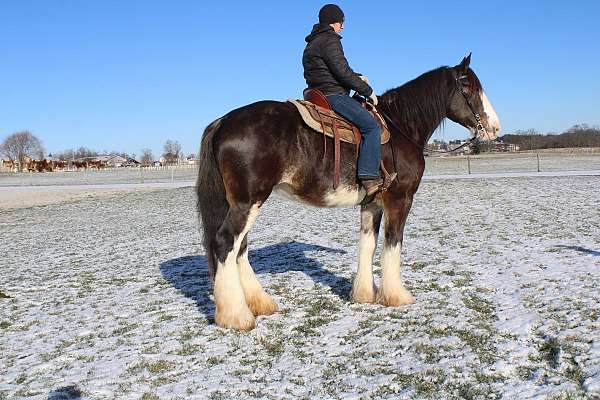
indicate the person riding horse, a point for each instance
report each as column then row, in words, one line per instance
column 326, row 69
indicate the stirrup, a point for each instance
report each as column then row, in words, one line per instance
column 388, row 180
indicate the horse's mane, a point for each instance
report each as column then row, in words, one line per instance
column 420, row 102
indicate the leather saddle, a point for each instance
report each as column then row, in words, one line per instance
column 318, row 115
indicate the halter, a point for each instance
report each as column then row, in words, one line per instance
column 459, row 86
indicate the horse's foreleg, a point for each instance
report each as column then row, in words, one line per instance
column 392, row 291
column 363, row 287
column 231, row 308
column 259, row 302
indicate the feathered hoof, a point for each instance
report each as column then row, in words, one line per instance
column 364, row 296
column 243, row 320
column 401, row 298
column 262, row 304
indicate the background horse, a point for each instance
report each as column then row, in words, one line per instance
column 265, row 146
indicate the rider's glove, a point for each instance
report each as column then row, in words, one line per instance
column 373, row 99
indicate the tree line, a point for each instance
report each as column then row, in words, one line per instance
column 19, row 146
column 577, row 136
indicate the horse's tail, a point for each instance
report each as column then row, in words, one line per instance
column 212, row 204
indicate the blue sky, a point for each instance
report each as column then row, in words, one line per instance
column 124, row 75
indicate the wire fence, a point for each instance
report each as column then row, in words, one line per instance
column 451, row 165
column 512, row 162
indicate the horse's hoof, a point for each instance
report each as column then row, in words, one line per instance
column 262, row 305
column 244, row 321
column 364, row 296
column 396, row 299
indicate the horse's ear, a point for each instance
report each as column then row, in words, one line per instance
column 464, row 64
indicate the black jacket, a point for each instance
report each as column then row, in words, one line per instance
column 326, row 67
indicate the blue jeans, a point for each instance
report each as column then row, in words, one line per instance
column 369, row 155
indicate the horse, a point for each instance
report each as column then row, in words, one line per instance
column 264, row 147
column 8, row 165
column 98, row 164
column 79, row 165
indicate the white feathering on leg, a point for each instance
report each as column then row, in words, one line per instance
column 231, row 308
column 392, row 291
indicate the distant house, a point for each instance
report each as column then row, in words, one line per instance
column 192, row 161
column 501, row 147
column 436, row 145
column 113, row 161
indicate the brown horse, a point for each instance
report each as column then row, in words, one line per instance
column 98, row 164
column 265, row 146
column 8, row 165
column 79, row 164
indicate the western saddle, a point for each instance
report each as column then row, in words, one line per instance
column 318, row 115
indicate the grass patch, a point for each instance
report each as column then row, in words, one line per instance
column 149, row 396
column 274, row 347
column 160, row 366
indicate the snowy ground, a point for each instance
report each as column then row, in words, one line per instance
column 108, row 298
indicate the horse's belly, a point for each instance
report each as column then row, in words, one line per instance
column 340, row 197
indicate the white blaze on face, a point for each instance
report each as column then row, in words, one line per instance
column 493, row 121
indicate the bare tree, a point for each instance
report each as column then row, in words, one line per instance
column 84, row 152
column 20, row 145
column 147, row 157
column 171, row 151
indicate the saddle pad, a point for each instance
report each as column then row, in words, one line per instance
column 312, row 115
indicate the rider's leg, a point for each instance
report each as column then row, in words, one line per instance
column 369, row 155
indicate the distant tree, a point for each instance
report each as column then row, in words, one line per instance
column 576, row 136
column 171, row 151
column 20, row 145
column 84, row 152
column 147, row 157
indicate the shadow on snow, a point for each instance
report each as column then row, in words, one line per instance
column 66, row 393
column 581, row 250
column 190, row 274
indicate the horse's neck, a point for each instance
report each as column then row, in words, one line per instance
column 415, row 110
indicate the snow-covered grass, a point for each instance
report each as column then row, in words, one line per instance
column 109, row 298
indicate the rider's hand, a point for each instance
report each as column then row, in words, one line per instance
column 373, row 99
column 364, row 78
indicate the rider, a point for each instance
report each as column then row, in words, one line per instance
column 326, row 69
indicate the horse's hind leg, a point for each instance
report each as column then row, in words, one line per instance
column 231, row 308
column 363, row 287
column 259, row 302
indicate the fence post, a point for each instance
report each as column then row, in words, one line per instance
column 469, row 164
column 172, row 172
column 538, row 161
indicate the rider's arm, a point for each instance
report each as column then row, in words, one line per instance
column 333, row 55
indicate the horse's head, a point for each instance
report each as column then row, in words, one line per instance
column 469, row 103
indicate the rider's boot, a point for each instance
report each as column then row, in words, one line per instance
column 372, row 186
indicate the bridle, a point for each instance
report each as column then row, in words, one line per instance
column 459, row 86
